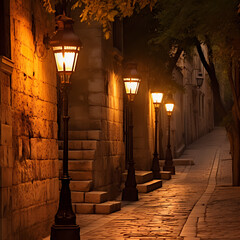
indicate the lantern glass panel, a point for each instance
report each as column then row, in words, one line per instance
column 75, row 62
column 66, row 57
column 157, row 98
column 131, row 85
column 59, row 61
column 169, row 107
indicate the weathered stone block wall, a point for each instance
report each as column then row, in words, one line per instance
column 6, row 158
column 96, row 102
column 110, row 159
column 143, row 122
column 29, row 151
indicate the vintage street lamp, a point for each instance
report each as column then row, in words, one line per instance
column 199, row 80
column 131, row 81
column 157, row 100
column 168, row 165
column 66, row 46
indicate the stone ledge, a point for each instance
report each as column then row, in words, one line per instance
column 96, row 197
column 179, row 162
column 107, row 207
column 149, row 186
column 6, row 65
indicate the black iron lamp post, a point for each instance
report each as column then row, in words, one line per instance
column 131, row 81
column 199, row 80
column 66, row 46
column 157, row 100
column 168, row 165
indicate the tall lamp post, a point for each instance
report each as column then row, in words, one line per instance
column 168, row 165
column 157, row 100
column 66, row 46
column 131, row 81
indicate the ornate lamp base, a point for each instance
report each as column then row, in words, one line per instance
column 130, row 194
column 65, row 232
column 155, row 167
column 169, row 168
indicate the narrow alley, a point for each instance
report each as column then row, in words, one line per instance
column 197, row 203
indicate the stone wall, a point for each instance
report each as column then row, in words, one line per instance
column 96, row 103
column 29, row 158
column 143, row 130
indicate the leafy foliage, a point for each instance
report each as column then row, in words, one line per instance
column 140, row 28
column 104, row 11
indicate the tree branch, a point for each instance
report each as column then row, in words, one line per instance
column 219, row 108
column 173, row 60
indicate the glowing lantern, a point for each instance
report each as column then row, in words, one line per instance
column 131, row 80
column 157, row 99
column 66, row 46
column 169, row 105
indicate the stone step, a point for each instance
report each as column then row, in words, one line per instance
column 141, row 176
column 77, row 197
column 81, row 186
column 84, row 135
column 149, row 186
column 78, row 165
column 166, row 175
column 179, row 162
column 81, row 175
column 79, row 144
column 78, row 154
column 84, row 208
column 96, row 197
column 107, row 207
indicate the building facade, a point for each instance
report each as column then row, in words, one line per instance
column 31, row 128
column 29, row 152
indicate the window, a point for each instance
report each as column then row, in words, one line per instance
column 5, row 28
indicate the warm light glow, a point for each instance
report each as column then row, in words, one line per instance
column 169, row 107
column 66, row 58
column 157, row 98
column 131, row 85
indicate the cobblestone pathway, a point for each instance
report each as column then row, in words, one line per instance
column 162, row 213
column 222, row 216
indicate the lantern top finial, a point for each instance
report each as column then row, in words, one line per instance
column 65, row 35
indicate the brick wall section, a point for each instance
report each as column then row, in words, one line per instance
column 29, row 151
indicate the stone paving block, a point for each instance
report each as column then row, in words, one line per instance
column 85, row 207
column 96, row 197
column 107, row 207
column 79, row 144
column 166, row 175
column 77, row 197
column 81, row 175
column 82, row 186
column 141, row 176
column 88, row 154
column 78, row 165
column 78, row 154
column 178, row 162
column 77, row 135
column 149, row 186
column 94, row 134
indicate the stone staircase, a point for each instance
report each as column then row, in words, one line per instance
column 82, row 147
column 145, row 181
